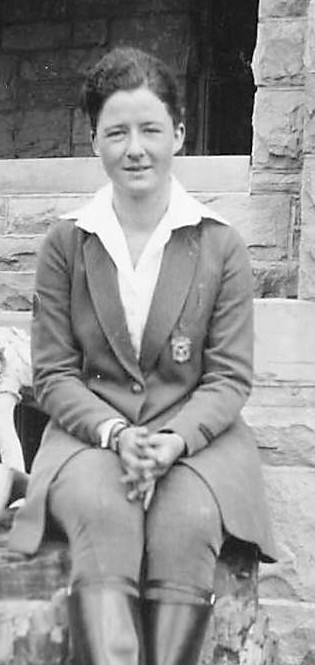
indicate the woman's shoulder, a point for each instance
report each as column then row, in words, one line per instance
column 63, row 234
column 219, row 234
column 61, row 244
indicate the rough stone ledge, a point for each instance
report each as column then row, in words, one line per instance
column 291, row 497
column 34, row 626
column 294, row 624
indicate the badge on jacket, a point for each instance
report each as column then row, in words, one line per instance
column 181, row 348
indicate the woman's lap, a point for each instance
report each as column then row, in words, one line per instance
column 88, row 502
column 181, row 534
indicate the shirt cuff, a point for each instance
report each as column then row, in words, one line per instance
column 107, row 429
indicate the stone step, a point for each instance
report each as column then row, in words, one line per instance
column 293, row 623
column 85, row 174
column 285, row 435
column 33, row 609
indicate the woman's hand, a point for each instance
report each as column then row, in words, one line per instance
column 145, row 458
column 138, row 476
column 133, row 442
column 164, row 449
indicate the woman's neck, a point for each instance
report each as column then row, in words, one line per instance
column 141, row 213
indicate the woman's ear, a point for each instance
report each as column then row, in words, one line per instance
column 179, row 137
column 94, row 142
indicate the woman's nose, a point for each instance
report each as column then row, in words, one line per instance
column 135, row 146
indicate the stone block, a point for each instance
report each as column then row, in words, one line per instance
column 35, row 36
column 2, row 214
column 19, row 254
column 309, row 116
column 198, row 174
column 81, row 128
column 42, row 133
column 93, row 9
column 42, row 96
column 278, row 129
column 281, row 394
column 282, row 8
column 278, row 56
column 268, row 181
column 310, row 39
column 82, row 150
column 7, row 145
column 8, row 73
column 109, row 8
column 167, row 36
column 307, row 243
column 291, row 498
column 294, row 626
column 285, row 436
column 284, row 353
column 16, row 290
column 34, row 631
column 34, row 214
column 307, row 264
column 64, row 64
column 275, row 280
column 33, row 10
column 270, row 219
column 262, row 220
column 90, row 32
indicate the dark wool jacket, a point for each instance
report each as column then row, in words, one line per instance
column 86, row 371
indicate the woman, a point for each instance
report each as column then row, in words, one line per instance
column 142, row 356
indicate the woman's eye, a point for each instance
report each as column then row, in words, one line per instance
column 115, row 134
column 152, row 130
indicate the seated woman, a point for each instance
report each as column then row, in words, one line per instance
column 142, row 354
column 15, row 374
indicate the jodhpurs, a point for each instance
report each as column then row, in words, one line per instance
column 176, row 541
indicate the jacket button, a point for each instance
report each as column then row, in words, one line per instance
column 136, row 388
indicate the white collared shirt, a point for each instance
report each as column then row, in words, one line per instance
column 137, row 283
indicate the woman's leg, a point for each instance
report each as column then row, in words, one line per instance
column 105, row 534
column 184, row 536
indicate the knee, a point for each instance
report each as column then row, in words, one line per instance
column 183, row 525
column 187, row 520
column 104, row 509
column 94, row 500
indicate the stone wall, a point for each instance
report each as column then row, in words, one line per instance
column 283, row 156
column 307, row 245
column 281, row 411
column 45, row 49
column 278, row 144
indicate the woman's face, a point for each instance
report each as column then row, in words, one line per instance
column 136, row 140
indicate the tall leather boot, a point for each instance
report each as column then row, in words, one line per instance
column 105, row 625
column 13, row 485
column 174, row 632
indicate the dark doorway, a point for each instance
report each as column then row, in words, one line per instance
column 220, row 86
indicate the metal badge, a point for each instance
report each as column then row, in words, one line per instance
column 181, row 349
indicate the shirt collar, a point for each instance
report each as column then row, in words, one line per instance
column 183, row 210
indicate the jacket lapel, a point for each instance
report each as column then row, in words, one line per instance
column 104, row 291
column 177, row 271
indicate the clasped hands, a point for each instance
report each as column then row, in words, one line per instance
column 145, row 458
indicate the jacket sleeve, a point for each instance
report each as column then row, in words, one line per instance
column 56, row 356
column 226, row 378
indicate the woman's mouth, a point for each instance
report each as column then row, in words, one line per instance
column 137, row 169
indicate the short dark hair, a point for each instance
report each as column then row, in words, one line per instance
column 128, row 69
